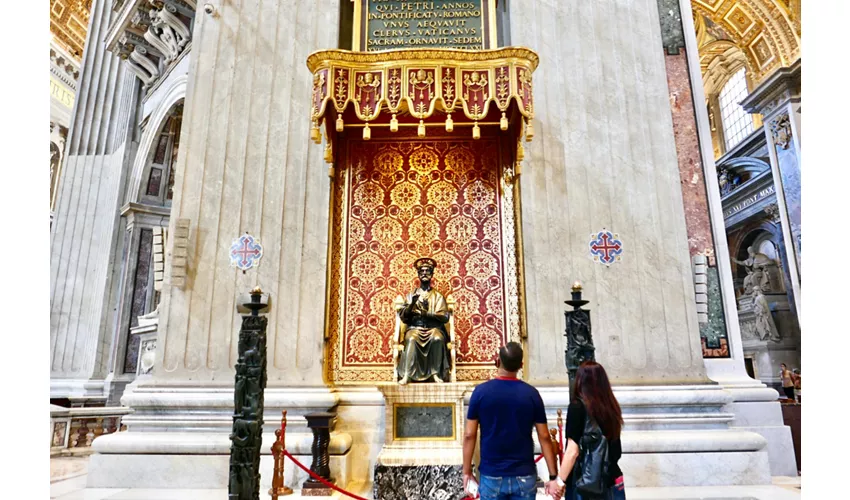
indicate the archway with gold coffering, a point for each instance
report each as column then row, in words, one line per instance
column 425, row 151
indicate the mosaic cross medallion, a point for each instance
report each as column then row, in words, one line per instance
column 605, row 247
column 245, row 252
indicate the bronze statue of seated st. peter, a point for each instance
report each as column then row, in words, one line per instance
column 424, row 336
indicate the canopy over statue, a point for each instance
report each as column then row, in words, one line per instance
column 424, row 316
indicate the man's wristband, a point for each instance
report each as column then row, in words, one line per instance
column 552, row 477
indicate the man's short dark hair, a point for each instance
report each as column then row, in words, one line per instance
column 511, row 356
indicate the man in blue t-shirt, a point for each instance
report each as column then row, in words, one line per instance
column 507, row 409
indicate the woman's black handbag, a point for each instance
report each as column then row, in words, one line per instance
column 591, row 469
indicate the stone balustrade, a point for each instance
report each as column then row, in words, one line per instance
column 72, row 430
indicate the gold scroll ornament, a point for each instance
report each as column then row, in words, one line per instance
column 421, row 82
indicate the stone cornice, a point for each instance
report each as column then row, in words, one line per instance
column 749, row 199
column 142, row 208
column 747, row 147
column 64, row 66
column 779, row 88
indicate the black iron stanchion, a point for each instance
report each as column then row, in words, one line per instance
column 246, row 438
column 579, row 340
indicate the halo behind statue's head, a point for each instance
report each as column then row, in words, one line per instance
column 425, row 262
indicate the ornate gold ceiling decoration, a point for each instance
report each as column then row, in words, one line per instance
column 69, row 21
column 763, row 34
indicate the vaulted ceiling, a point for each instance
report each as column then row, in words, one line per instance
column 69, row 20
column 762, row 35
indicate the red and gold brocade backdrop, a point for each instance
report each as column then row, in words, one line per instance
column 398, row 201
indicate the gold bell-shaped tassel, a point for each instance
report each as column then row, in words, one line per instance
column 450, row 125
column 503, row 123
column 420, row 131
column 520, row 152
column 339, row 124
column 367, row 132
column 476, row 131
column 329, row 154
column 529, row 131
column 394, row 124
column 315, row 133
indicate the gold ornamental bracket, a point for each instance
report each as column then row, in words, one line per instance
column 398, row 87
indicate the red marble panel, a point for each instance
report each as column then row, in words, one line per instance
column 694, row 195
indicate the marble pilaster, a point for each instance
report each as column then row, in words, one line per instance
column 245, row 164
column 777, row 99
column 749, row 397
column 86, row 233
column 604, row 156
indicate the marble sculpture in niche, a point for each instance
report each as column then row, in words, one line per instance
column 757, row 265
column 765, row 326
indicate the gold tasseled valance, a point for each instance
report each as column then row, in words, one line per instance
column 368, row 86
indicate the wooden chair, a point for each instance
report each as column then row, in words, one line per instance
column 401, row 328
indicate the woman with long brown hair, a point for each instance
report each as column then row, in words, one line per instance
column 593, row 399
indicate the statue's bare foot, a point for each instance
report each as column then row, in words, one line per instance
column 403, row 381
column 438, row 379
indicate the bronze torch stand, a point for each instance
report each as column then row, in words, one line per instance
column 278, row 489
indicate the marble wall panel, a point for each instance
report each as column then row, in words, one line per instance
column 789, row 169
column 605, row 156
column 247, row 164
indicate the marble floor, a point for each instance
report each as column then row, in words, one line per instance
column 74, row 489
column 68, row 482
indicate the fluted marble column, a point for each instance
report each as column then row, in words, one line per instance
column 604, row 157
column 85, row 235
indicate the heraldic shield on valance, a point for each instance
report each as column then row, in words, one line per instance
column 410, row 87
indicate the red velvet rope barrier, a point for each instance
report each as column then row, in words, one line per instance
column 346, row 493
column 321, row 479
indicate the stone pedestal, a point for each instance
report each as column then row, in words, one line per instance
column 178, row 437
column 321, row 424
column 418, row 481
column 422, row 456
column 679, row 435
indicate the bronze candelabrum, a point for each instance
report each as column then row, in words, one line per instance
column 579, row 339
column 246, row 438
column 278, row 489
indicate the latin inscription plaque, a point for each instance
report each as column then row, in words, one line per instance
column 406, row 24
